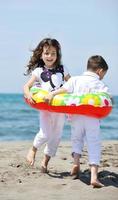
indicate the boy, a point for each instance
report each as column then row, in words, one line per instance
column 85, row 126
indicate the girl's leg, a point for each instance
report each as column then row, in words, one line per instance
column 31, row 156
column 44, row 133
column 54, row 132
column 56, row 128
column 44, row 163
column 41, row 137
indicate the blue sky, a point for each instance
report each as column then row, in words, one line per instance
column 83, row 27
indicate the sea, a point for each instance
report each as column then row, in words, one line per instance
column 20, row 122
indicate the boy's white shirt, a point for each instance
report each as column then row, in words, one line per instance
column 88, row 82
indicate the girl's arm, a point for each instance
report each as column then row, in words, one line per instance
column 27, row 87
column 67, row 77
column 51, row 95
column 61, row 90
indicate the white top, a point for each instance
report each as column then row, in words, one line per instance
column 88, row 82
column 50, row 81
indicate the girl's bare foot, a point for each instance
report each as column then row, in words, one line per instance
column 45, row 164
column 96, row 184
column 31, row 156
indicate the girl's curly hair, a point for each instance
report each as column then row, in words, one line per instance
column 36, row 61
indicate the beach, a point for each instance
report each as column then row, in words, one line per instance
column 19, row 181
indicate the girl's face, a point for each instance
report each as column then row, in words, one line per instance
column 49, row 56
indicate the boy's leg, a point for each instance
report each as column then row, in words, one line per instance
column 93, row 140
column 94, row 179
column 77, row 140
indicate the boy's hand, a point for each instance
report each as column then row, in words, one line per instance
column 48, row 98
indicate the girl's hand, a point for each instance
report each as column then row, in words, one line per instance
column 48, row 98
column 29, row 98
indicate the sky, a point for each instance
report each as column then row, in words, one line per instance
column 83, row 28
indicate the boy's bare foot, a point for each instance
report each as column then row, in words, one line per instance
column 44, row 169
column 31, row 156
column 96, row 184
column 94, row 181
column 75, row 170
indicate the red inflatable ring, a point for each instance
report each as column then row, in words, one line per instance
column 97, row 105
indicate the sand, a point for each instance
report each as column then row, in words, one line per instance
column 19, row 181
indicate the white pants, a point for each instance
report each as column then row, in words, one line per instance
column 86, row 128
column 51, row 127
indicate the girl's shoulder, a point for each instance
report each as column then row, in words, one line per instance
column 64, row 69
column 37, row 71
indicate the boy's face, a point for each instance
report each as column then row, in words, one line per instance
column 102, row 73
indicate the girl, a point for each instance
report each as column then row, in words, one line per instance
column 46, row 68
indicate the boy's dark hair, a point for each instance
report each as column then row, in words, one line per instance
column 96, row 62
column 36, row 60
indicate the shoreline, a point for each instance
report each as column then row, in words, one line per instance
column 19, row 181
